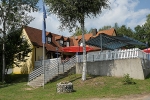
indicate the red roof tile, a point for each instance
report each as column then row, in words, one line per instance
column 35, row 36
column 110, row 32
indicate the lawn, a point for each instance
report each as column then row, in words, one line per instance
column 93, row 87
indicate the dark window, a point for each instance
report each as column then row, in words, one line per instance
column 49, row 56
column 49, row 39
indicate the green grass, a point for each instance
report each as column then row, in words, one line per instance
column 93, row 87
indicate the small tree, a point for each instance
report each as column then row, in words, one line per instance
column 128, row 80
column 16, row 48
column 72, row 11
column 13, row 15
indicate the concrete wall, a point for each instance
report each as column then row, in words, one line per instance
column 136, row 68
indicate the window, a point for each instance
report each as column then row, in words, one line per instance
column 61, row 42
column 49, row 56
column 67, row 44
column 49, row 39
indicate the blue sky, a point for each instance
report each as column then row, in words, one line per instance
column 143, row 4
column 124, row 12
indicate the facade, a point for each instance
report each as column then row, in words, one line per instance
column 53, row 46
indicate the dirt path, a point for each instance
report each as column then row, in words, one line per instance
column 130, row 97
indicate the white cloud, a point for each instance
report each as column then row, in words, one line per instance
column 122, row 11
column 52, row 23
column 138, row 18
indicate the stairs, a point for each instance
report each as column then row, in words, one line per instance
column 53, row 71
column 37, row 82
column 62, row 75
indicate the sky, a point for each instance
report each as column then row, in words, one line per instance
column 124, row 12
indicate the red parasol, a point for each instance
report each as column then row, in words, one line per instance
column 147, row 50
column 76, row 49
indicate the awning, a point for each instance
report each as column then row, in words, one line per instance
column 147, row 50
column 76, row 49
column 112, row 42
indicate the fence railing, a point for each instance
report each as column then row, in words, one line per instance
column 116, row 54
column 35, row 73
column 52, row 68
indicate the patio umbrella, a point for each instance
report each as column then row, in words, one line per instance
column 147, row 50
column 76, row 49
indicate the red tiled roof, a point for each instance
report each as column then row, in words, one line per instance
column 108, row 32
column 35, row 36
column 58, row 37
column 90, row 35
column 66, row 38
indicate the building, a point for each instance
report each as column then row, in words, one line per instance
column 53, row 46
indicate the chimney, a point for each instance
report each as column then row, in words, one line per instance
column 94, row 31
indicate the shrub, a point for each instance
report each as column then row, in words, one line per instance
column 127, row 80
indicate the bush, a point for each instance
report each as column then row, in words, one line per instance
column 127, row 80
column 15, row 78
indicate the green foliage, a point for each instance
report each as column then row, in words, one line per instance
column 14, row 13
column 72, row 11
column 16, row 78
column 105, row 28
column 16, row 49
column 78, row 32
column 142, row 33
column 127, row 80
column 123, row 30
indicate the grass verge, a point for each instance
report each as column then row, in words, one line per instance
column 93, row 87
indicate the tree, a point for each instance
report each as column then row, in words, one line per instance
column 16, row 49
column 146, row 27
column 140, row 35
column 78, row 31
column 105, row 28
column 70, row 12
column 13, row 15
column 123, row 30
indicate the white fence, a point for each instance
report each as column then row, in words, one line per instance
column 116, row 54
column 52, row 67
